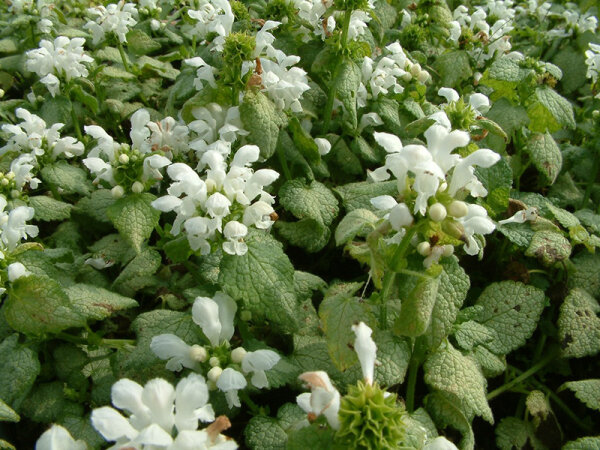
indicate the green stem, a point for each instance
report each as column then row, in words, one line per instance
column 413, row 371
column 561, row 405
column 123, row 57
column 283, row 161
column 531, row 371
column 254, row 408
column 390, row 276
column 336, row 73
column 113, row 343
column 76, row 124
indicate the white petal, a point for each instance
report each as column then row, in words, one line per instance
column 205, row 313
column 154, row 435
column 384, row 202
column 259, row 379
column 173, row 348
column 449, row 94
column 127, row 395
column 439, row 443
column 58, row 438
column 389, row 142
column 158, row 396
column 366, row 350
column 260, row 360
column 227, row 310
column 166, row 203
column 231, row 379
column 400, row 217
column 112, row 425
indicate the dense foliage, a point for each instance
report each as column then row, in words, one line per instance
column 299, row 224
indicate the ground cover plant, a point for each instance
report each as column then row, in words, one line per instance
column 299, row 224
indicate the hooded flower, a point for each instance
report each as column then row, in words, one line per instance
column 153, row 411
column 324, row 398
column 366, row 350
column 215, row 317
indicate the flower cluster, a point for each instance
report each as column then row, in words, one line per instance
column 156, row 410
column 592, row 62
column 227, row 200
column 213, row 16
column 124, row 167
column 433, row 181
column 63, row 57
column 115, row 18
column 228, row 368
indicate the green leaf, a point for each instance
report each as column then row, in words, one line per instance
column 512, row 310
column 37, row 305
column 263, row 279
column 469, row 334
column 564, row 217
column 69, row 361
column 587, row 273
column 19, row 367
column 43, row 264
column 7, row 414
column 415, row 315
column 445, row 410
column 361, row 148
column 578, row 325
column 452, row 291
column 510, row 117
column 507, row 69
column 584, row 443
column 113, row 248
column 8, row 45
column 513, row 433
column 138, row 273
column 450, row 371
column 549, row 247
column 560, row 108
column 48, row 209
column 140, row 43
column 572, row 65
column 492, row 127
column 46, row 403
column 265, row 433
column 71, row 179
column 95, row 303
column 491, row 365
column 545, row 155
column 354, row 223
column 304, row 142
column 498, row 181
column 346, row 85
column 117, row 72
column 314, row 201
column 55, row 110
column 78, row 93
column 418, row 127
column 163, row 69
column 346, row 163
column 96, row 205
column 338, row 313
column 314, row 437
column 588, row 391
column 305, row 283
column 453, row 67
column 359, row 195
column 393, row 357
column 134, row 217
column 261, row 119
column 520, row 234
column 308, row 234
column 388, row 111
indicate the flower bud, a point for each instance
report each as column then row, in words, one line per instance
column 437, row 212
column 424, row 249
column 198, row 353
column 123, row 158
column 246, row 316
column 237, row 354
column 423, row 76
column 117, row 192
column 5, row 181
column 448, row 250
column 137, row 187
column 214, row 374
column 415, row 70
column 458, row 209
column 214, row 361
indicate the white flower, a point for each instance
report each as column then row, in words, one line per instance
column 22, row 167
column 153, row 411
column 205, row 72
column 366, row 350
column 105, row 144
column 52, row 84
column 115, row 18
column 214, row 16
column 358, row 24
column 259, row 214
column 177, row 352
column 14, row 227
column 213, row 123
column 475, row 222
column 282, row 83
column 529, row 214
column 168, row 135
column 399, row 215
column 58, row 438
column 139, row 134
column 234, row 232
column 324, row 398
column 215, row 317
column 230, row 382
column 256, row 363
column 151, row 166
column 592, row 61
